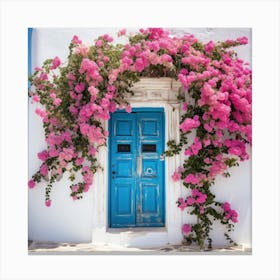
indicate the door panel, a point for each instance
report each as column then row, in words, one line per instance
column 123, row 199
column 123, row 166
column 149, row 127
column 137, row 173
column 149, row 194
column 124, row 127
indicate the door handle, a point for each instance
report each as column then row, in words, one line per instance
column 139, row 165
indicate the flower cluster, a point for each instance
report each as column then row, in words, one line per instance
column 188, row 124
column 229, row 213
column 78, row 96
column 186, row 228
column 176, row 176
column 196, row 198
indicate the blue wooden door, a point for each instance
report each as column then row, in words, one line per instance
column 137, row 169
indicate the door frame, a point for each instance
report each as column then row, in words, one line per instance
column 109, row 154
column 160, row 92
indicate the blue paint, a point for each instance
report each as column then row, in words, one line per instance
column 136, row 173
column 29, row 53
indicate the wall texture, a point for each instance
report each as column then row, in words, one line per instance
column 72, row 221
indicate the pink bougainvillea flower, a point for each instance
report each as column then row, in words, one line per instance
column 230, row 214
column 176, row 176
column 71, row 76
column 44, row 169
column 139, row 64
column 113, row 76
column 43, row 155
column 43, row 76
column 55, row 63
column 165, row 58
column 37, row 68
column 207, row 160
column 236, row 147
column 106, row 58
column 226, row 206
column 190, row 201
column 188, row 124
column 75, row 188
column 186, row 228
column 93, row 92
column 201, row 198
column 76, row 40
column 31, row 184
column 182, row 203
column 57, row 101
column 53, row 152
column 79, row 161
column 98, row 43
column 217, row 167
column 41, row 113
column 207, row 127
column 192, row 179
column 128, row 109
column 92, row 151
column 79, row 88
column 209, row 47
column 188, row 152
column 157, row 33
column 87, row 65
column 52, row 95
column 113, row 107
column 108, row 38
column 66, row 154
column 122, row 32
column 195, row 192
column 59, row 171
column 48, row 202
column 206, row 142
column 201, row 210
column 82, row 50
column 234, row 217
column 86, row 187
column 196, row 146
column 36, row 98
column 185, row 106
column 242, row 40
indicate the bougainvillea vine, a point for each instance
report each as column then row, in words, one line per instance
column 78, row 96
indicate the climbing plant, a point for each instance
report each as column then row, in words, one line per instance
column 77, row 97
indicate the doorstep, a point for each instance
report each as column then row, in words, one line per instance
column 141, row 237
column 55, row 248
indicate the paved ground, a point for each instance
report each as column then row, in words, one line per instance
column 51, row 248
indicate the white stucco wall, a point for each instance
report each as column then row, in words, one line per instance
column 72, row 221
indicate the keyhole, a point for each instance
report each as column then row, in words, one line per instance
column 149, row 171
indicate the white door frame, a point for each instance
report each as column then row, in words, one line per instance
column 160, row 92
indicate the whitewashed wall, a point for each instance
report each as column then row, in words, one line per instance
column 72, row 221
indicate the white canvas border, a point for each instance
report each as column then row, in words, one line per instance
column 262, row 16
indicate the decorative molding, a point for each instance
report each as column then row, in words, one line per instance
column 155, row 89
